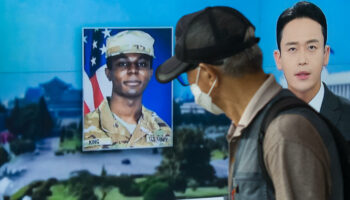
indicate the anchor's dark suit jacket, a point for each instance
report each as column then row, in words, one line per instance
column 337, row 110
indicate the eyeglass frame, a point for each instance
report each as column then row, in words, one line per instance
column 194, row 66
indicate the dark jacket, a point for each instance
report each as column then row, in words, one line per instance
column 337, row 110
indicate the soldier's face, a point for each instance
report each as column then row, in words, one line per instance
column 130, row 75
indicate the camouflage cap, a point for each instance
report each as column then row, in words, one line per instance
column 130, row 41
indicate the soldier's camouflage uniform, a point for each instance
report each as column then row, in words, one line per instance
column 103, row 131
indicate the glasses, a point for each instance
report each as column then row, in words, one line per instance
column 182, row 78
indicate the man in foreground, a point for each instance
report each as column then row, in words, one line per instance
column 218, row 50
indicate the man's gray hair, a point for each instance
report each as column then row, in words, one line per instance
column 245, row 62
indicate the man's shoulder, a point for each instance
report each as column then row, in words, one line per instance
column 92, row 115
column 93, row 136
column 345, row 103
column 95, row 115
column 292, row 128
column 331, row 97
column 153, row 116
column 158, row 124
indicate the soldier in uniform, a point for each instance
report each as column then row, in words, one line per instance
column 121, row 121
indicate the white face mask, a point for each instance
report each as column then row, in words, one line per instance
column 204, row 99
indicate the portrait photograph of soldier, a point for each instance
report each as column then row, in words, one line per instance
column 124, row 107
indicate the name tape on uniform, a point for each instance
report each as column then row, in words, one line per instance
column 98, row 141
column 157, row 138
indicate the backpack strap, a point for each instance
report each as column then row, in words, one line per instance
column 278, row 106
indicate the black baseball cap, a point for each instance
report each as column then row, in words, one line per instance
column 228, row 28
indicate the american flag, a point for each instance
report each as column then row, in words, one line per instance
column 95, row 83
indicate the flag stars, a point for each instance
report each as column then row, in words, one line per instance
column 94, row 44
column 93, row 61
column 106, row 33
column 84, row 39
column 103, row 49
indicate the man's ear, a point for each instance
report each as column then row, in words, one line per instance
column 327, row 50
column 277, row 57
column 209, row 72
column 108, row 73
